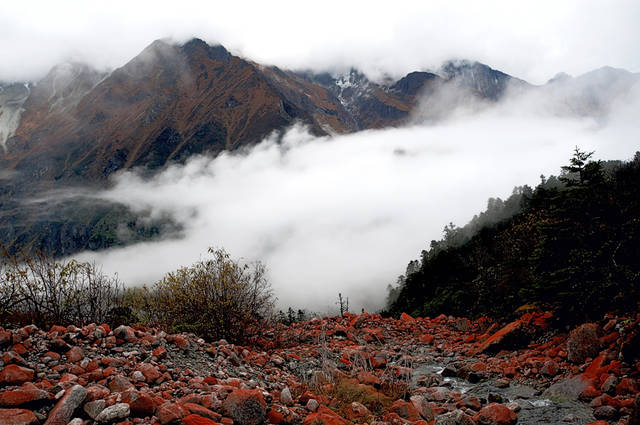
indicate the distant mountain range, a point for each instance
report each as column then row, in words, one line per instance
column 77, row 125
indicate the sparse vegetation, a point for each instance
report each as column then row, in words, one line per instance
column 343, row 304
column 215, row 298
column 38, row 289
column 218, row 297
column 346, row 391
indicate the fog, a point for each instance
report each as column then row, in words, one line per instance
column 532, row 40
column 346, row 213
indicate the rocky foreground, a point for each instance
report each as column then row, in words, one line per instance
column 331, row 371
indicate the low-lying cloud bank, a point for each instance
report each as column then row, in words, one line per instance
column 346, row 213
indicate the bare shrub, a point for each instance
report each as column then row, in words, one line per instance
column 216, row 298
column 44, row 291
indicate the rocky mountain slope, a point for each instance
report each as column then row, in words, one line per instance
column 332, row 371
column 77, row 126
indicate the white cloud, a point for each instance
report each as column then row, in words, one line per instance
column 532, row 40
column 345, row 214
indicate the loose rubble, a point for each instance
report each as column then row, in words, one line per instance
column 354, row 369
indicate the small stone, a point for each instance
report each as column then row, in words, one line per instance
column 501, row 383
column 285, row 397
column 449, row 371
column 605, row 412
column 111, row 413
column 75, row 354
column 312, row 405
column 513, row 406
column 496, row 414
column 125, row 333
column 93, row 408
column 457, row 417
column 550, row 368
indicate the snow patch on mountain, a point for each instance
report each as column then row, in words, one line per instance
column 12, row 97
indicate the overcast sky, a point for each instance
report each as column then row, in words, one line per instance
column 530, row 39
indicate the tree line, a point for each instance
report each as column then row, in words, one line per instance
column 571, row 245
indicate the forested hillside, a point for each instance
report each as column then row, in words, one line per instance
column 571, row 245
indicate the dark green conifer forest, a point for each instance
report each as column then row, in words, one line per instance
column 571, row 245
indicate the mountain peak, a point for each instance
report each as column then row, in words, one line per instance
column 196, row 47
column 560, row 77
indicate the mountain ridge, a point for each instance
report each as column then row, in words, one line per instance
column 78, row 125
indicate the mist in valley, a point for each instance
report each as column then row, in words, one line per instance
column 345, row 214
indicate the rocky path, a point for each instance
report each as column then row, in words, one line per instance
column 332, row 371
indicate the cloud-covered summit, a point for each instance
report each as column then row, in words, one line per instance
column 531, row 40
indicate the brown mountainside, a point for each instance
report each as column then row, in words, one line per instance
column 166, row 104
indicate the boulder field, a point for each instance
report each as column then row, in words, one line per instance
column 355, row 369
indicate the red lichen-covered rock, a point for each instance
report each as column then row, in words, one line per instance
column 406, row 318
column 140, row 403
column 28, row 393
column 589, row 393
column 75, row 354
column 583, row 342
column 17, row 417
column 550, row 368
column 496, row 414
column 426, row 339
column 180, row 342
column 496, row 342
column 171, row 413
column 150, row 372
column 202, row 411
column 12, row 357
column 198, row 420
column 64, row 408
column 275, row 417
column 160, row 353
column 15, row 375
column 626, row 386
column 324, row 416
column 245, row 407
column 405, row 410
column 120, row 384
column 306, row 396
